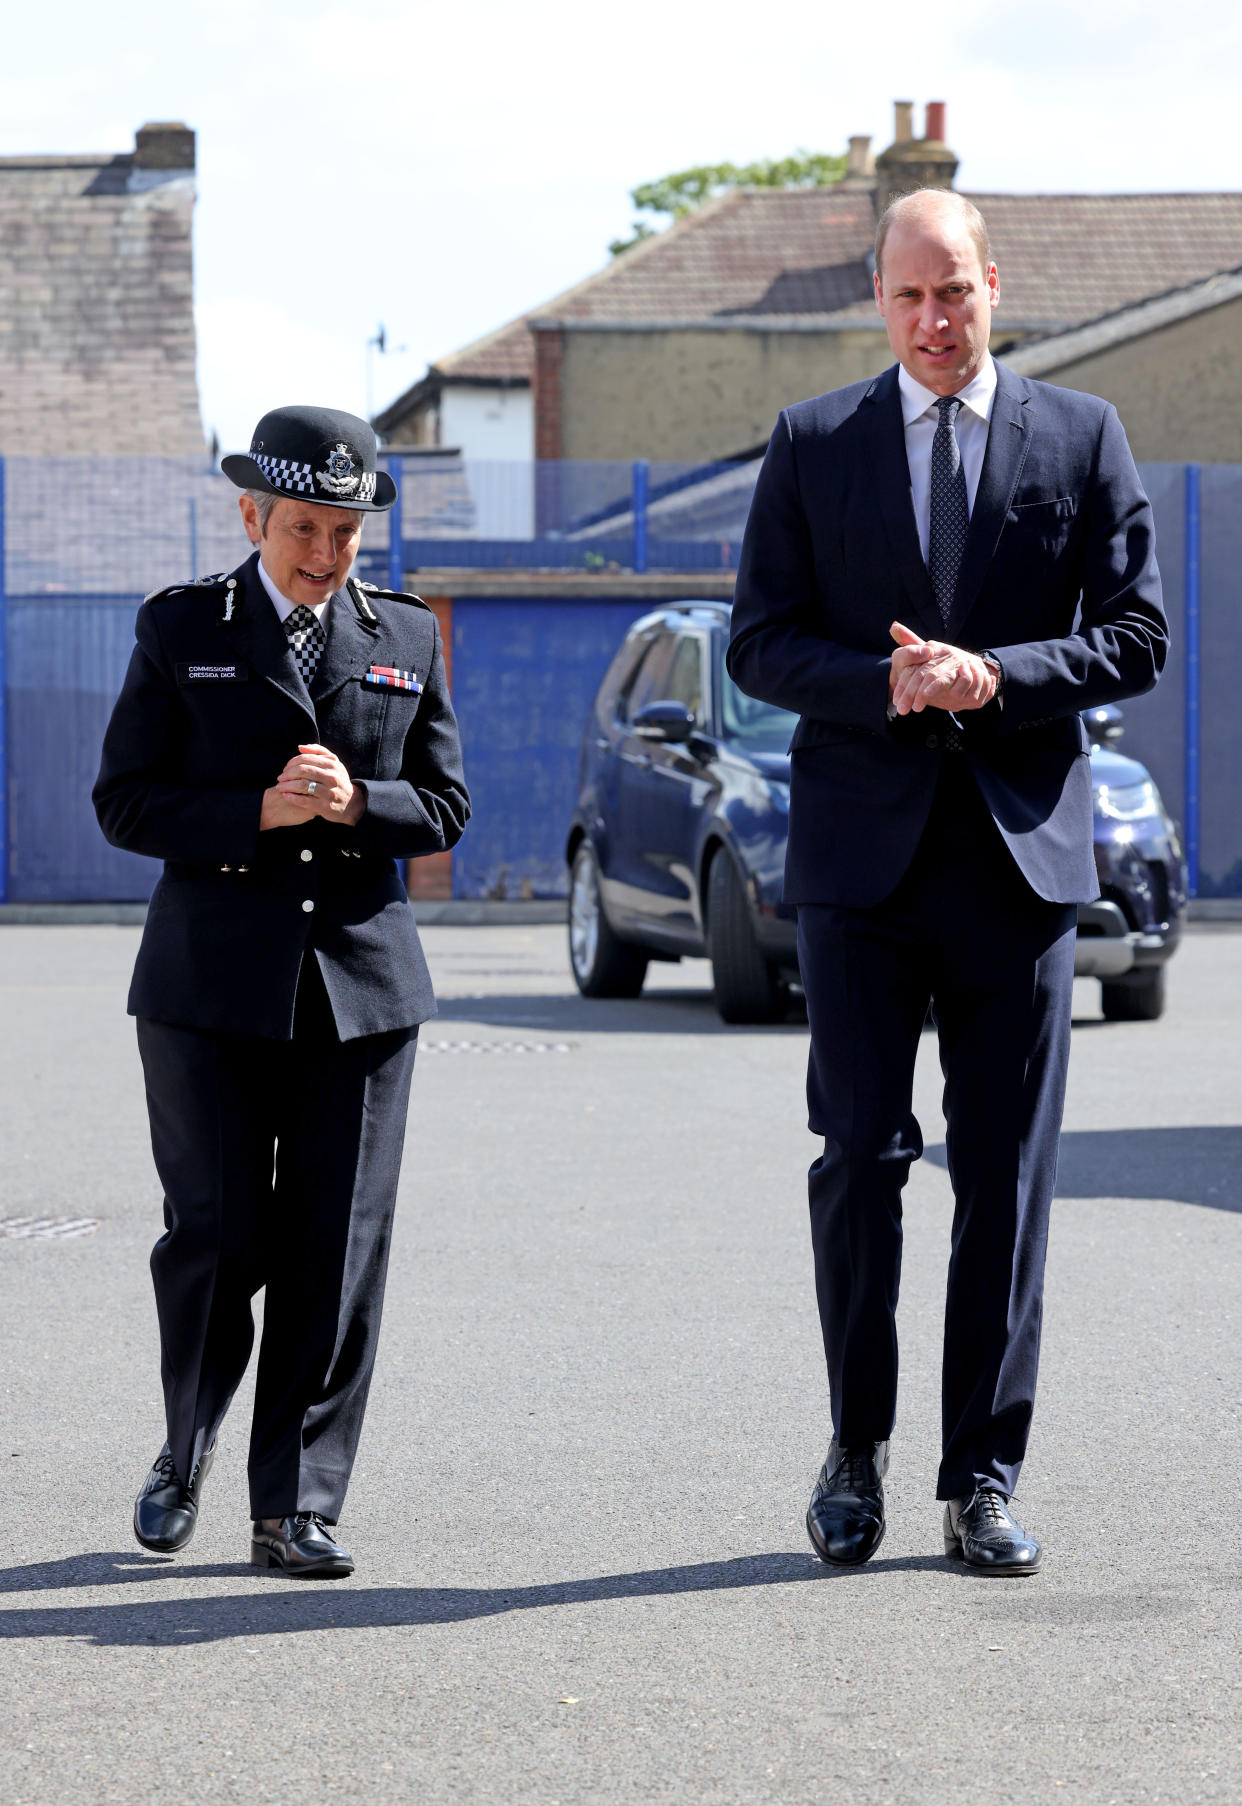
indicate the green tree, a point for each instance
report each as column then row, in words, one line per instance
column 675, row 195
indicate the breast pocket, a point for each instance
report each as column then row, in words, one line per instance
column 1042, row 523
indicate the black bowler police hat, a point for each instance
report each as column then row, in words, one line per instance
column 317, row 454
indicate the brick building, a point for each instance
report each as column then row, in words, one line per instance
column 96, row 320
column 686, row 346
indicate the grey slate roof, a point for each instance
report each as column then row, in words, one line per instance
column 96, row 324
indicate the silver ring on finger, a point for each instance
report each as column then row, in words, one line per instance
column 310, row 788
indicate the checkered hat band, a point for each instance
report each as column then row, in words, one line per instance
column 366, row 488
column 283, row 473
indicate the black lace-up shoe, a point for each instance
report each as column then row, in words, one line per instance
column 845, row 1521
column 981, row 1531
column 166, row 1510
column 299, row 1544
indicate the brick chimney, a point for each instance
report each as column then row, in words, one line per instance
column 910, row 162
column 163, row 146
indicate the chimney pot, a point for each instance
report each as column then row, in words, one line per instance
column 903, row 114
column 935, row 121
column 860, row 161
column 164, row 145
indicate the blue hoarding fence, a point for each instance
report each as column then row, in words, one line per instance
column 4, row 711
column 638, row 508
column 396, row 566
column 1192, row 675
column 77, row 554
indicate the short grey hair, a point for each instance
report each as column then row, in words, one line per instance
column 933, row 200
column 264, row 500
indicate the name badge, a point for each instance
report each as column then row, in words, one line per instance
column 389, row 677
column 213, row 674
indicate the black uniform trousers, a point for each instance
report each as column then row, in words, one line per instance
column 279, row 1162
column 964, row 933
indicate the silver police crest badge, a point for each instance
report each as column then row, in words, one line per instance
column 340, row 474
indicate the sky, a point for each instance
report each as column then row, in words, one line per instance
column 440, row 168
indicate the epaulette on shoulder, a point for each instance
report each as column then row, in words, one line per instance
column 176, row 589
column 392, row 595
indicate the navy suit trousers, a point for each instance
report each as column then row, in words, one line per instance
column 965, row 934
column 279, row 1162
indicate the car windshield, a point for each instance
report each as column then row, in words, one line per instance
column 755, row 724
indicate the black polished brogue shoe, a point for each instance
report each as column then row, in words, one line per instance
column 982, row 1532
column 166, row 1510
column 845, row 1520
column 299, row 1544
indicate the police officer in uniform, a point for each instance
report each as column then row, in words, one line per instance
column 284, row 738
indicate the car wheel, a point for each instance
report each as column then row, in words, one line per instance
column 747, row 988
column 602, row 965
column 1139, row 997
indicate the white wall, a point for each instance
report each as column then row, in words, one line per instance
column 495, row 431
column 488, row 423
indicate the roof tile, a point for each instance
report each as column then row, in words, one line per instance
column 1063, row 259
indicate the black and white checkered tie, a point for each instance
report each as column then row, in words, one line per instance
column 950, row 509
column 307, row 638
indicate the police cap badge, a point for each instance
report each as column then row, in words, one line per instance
column 317, row 454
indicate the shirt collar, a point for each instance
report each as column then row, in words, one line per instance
column 978, row 395
column 280, row 602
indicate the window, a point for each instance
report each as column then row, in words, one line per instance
column 647, row 683
column 610, row 702
column 760, row 725
column 684, row 683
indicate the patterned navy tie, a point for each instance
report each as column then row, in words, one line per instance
column 950, row 510
column 307, row 638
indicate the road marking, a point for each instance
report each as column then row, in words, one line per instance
column 52, row 1229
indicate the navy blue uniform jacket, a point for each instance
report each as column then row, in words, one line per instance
column 1058, row 581
column 210, row 713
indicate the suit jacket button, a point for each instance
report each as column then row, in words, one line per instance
column 932, row 740
column 307, row 854
column 307, row 906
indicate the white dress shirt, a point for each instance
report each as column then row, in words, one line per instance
column 918, row 412
column 281, row 603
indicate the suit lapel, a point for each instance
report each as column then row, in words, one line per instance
column 261, row 636
column 350, row 648
column 884, row 437
column 1009, row 438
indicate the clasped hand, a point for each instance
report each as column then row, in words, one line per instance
column 927, row 674
column 292, row 801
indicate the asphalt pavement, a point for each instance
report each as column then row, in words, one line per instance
column 598, row 1411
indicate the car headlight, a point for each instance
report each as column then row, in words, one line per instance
column 1127, row 802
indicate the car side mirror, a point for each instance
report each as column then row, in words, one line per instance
column 669, row 721
column 1104, row 725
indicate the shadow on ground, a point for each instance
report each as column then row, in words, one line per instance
column 278, row 1606
column 654, row 1013
column 1186, row 1166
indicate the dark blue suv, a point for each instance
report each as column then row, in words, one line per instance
column 677, row 845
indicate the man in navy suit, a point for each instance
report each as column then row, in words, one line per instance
column 941, row 568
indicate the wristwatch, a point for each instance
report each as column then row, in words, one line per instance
column 994, row 666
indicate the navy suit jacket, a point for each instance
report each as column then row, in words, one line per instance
column 1058, row 582
column 211, row 711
